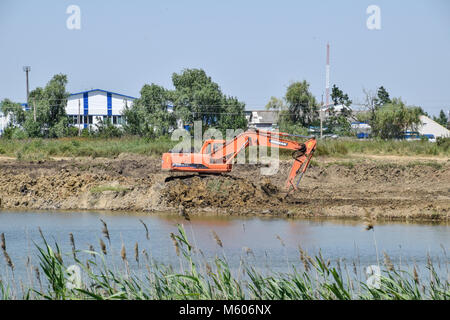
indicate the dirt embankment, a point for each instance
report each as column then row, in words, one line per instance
column 384, row 188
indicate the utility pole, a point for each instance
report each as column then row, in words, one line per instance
column 327, row 77
column 27, row 69
column 34, row 110
column 78, row 120
column 448, row 120
column 321, row 119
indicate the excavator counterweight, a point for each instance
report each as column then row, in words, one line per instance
column 217, row 156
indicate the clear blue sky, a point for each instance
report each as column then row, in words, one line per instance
column 252, row 49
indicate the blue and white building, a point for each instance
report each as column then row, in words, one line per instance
column 362, row 129
column 431, row 129
column 94, row 105
column 4, row 120
column 262, row 119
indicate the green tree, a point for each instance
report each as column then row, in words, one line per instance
column 14, row 110
column 339, row 122
column 275, row 104
column 233, row 115
column 382, row 97
column 50, row 103
column 302, row 106
column 442, row 119
column 149, row 115
column 393, row 118
column 135, row 120
column 423, row 112
column 197, row 97
column 288, row 126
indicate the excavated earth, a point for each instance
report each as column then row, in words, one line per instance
column 381, row 188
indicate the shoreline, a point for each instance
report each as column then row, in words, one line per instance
column 206, row 214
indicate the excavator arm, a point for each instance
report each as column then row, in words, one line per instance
column 217, row 155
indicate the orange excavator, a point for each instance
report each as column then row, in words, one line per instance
column 217, row 156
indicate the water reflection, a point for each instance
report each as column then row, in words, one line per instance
column 273, row 241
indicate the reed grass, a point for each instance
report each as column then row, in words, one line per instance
column 310, row 278
column 42, row 149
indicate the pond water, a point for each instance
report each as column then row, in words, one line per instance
column 273, row 241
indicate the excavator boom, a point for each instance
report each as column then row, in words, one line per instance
column 217, row 156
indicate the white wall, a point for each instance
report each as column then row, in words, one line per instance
column 72, row 104
column 4, row 120
column 98, row 103
column 430, row 126
column 118, row 103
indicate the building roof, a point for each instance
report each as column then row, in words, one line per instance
column 264, row 116
column 429, row 126
column 338, row 107
column 101, row 90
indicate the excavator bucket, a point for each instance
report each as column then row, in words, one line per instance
column 302, row 158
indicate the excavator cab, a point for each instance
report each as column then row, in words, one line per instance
column 212, row 145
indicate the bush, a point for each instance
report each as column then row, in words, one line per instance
column 19, row 134
column 108, row 130
column 85, row 133
column 443, row 143
column 8, row 132
column 293, row 128
column 392, row 119
column 75, row 143
column 72, row 131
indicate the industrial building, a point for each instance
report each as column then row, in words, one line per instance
column 432, row 129
column 95, row 105
column 361, row 129
column 262, row 119
column 4, row 120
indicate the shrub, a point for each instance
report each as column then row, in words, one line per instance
column 19, row 134
column 85, row 133
column 72, row 131
column 443, row 143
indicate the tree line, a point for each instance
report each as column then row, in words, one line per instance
column 388, row 118
column 197, row 97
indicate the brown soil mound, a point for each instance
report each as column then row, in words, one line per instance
column 341, row 188
column 221, row 191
